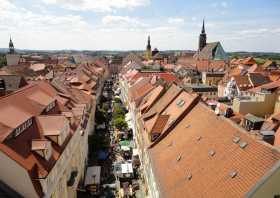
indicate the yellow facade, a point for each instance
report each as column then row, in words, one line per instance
column 149, row 54
column 263, row 104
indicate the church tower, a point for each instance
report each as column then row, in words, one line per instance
column 11, row 47
column 149, row 50
column 202, row 38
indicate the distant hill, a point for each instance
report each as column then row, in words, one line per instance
column 240, row 54
column 261, row 55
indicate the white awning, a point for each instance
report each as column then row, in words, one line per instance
column 125, row 148
column 135, row 152
column 127, row 168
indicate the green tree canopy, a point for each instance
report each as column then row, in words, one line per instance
column 120, row 123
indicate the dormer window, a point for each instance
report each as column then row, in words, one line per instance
column 42, row 148
column 22, row 127
column 50, row 106
column 54, row 127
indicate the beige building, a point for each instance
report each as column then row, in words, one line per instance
column 261, row 101
column 212, row 78
column 43, row 141
column 186, row 150
column 12, row 59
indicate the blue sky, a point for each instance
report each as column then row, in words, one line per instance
column 125, row 24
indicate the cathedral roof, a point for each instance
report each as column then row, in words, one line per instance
column 208, row 51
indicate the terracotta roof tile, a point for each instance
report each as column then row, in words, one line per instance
column 163, row 101
column 197, row 157
column 277, row 138
column 151, row 98
column 168, row 77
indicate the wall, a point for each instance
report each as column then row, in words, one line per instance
column 269, row 188
column 262, row 106
column 12, row 59
column 277, row 104
column 221, row 90
column 16, row 177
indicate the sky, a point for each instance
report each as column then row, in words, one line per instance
column 247, row 25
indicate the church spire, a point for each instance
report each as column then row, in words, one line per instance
column 149, row 49
column 202, row 38
column 203, row 28
column 149, row 43
column 11, row 46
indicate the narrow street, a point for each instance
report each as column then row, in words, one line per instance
column 112, row 148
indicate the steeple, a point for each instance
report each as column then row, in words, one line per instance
column 149, row 49
column 203, row 28
column 11, row 47
column 149, row 43
column 202, row 38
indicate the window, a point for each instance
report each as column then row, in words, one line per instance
column 23, row 127
column 50, row 106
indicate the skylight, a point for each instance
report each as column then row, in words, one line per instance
column 189, row 176
column 180, row 103
column 233, row 174
column 198, row 138
column 243, row 145
column 236, row 139
column 211, row 152
column 179, row 158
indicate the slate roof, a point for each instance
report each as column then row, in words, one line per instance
column 258, row 79
column 208, row 52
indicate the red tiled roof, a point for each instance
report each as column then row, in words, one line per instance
column 249, row 61
column 164, row 100
column 206, row 65
column 151, row 98
column 15, row 109
column 168, row 77
column 242, row 82
column 197, row 158
column 159, row 124
column 141, row 88
column 277, row 138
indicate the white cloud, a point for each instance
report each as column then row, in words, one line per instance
column 6, row 5
column 45, row 30
column 122, row 21
column 176, row 21
column 98, row 5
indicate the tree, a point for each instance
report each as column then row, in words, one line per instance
column 117, row 100
column 3, row 61
column 120, row 123
column 101, row 114
column 118, row 111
